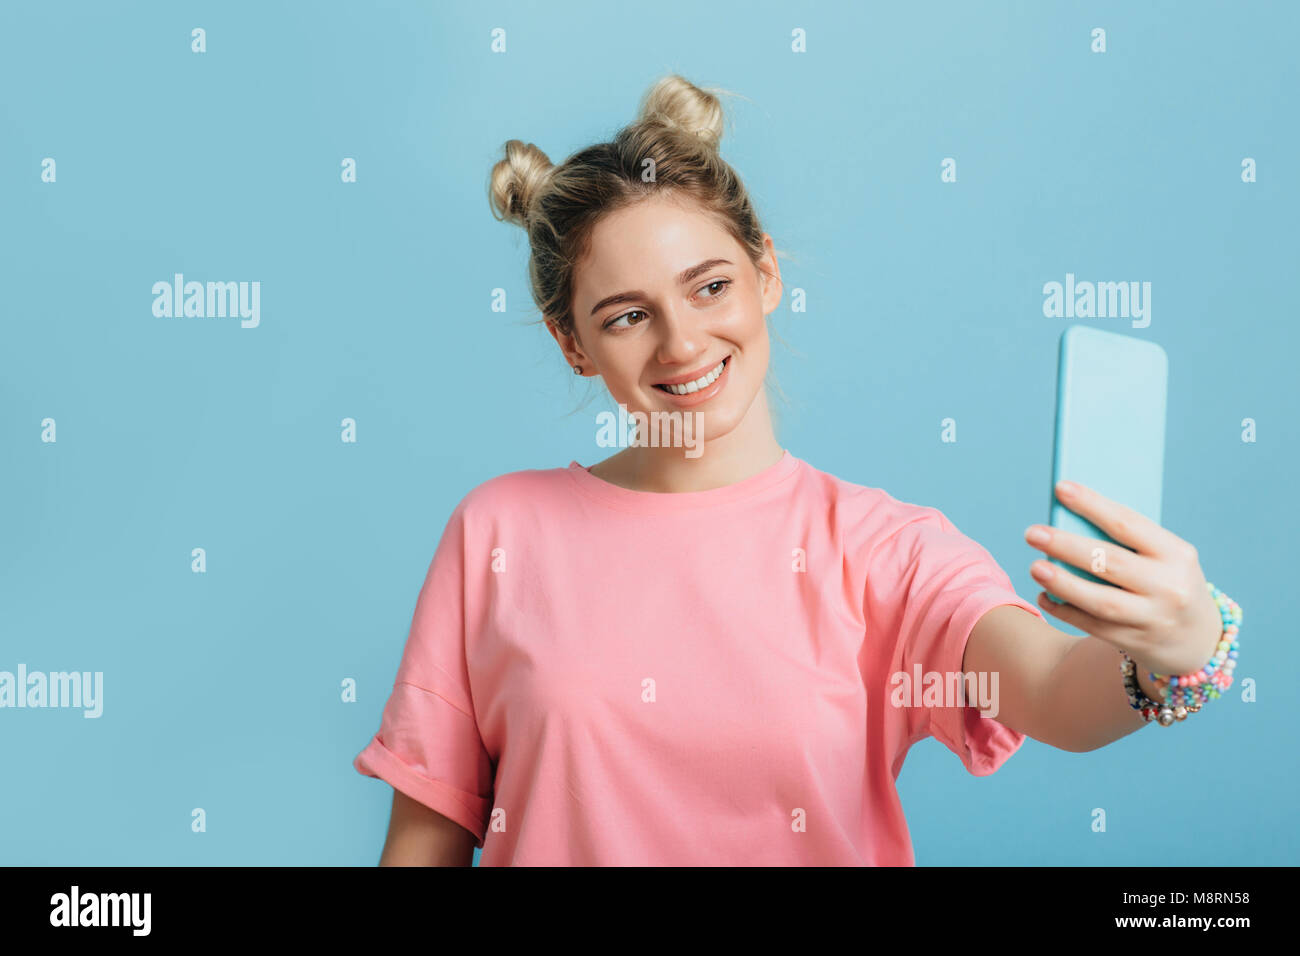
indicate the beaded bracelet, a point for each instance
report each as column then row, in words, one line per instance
column 1185, row 694
column 1143, row 704
column 1216, row 676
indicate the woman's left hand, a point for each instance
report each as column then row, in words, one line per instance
column 1160, row 612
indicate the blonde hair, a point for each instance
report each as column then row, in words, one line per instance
column 678, row 130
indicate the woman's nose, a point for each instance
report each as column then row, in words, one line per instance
column 679, row 341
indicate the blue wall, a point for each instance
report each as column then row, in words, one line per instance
column 924, row 301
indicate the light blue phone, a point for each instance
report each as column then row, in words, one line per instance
column 1111, row 395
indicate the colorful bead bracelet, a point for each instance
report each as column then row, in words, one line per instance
column 1186, row 693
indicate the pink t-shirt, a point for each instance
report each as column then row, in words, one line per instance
column 600, row 676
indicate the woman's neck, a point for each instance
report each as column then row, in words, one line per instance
column 746, row 450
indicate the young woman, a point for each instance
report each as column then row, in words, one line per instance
column 669, row 659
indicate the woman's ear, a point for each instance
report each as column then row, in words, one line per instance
column 769, row 275
column 570, row 346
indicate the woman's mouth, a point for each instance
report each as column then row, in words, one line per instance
column 695, row 385
column 699, row 389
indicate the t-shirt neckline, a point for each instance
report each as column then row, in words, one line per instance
column 659, row 502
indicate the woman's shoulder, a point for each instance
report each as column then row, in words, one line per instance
column 867, row 511
column 529, row 489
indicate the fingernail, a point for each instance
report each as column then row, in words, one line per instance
column 1042, row 570
column 1037, row 534
column 1066, row 487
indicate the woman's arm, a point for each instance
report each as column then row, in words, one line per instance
column 1061, row 690
column 1067, row 691
column 418, row 836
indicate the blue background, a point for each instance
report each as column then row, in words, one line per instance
column 924, row 302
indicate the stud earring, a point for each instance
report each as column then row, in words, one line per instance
column 577, row 370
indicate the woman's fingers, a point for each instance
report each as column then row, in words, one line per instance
column 1105, row 559
column 1112, row 605
column 1121, row 522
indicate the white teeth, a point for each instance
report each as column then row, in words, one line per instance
column 699, row 383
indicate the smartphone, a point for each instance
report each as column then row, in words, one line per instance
column 1111, row 393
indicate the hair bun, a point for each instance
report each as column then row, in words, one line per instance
column 516, row 181
column 677, row 103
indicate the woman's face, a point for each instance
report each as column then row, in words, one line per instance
column 666, row 297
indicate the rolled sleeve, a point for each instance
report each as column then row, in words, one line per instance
column 933, row 584
column 431, row 752
column 428, row 745
column 982, row 743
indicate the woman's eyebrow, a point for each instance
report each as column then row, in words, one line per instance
column 687, row 275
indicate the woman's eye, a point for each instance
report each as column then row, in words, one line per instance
column 626, row 315
column 625, row 321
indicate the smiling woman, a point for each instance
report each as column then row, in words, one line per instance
column 669, row 659
column 653, row 272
